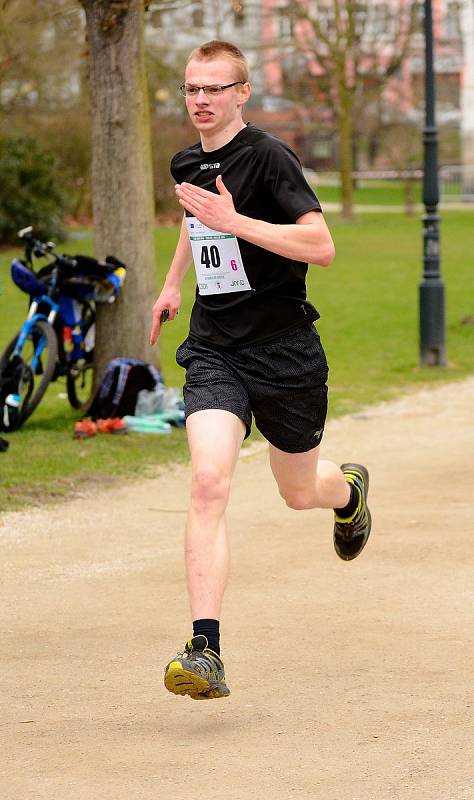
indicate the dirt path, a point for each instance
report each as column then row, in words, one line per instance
column 349, row 681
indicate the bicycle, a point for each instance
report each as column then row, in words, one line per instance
column 57, row 336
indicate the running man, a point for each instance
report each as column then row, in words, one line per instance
column 251, row 224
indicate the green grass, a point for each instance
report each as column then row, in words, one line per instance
column 368, row 301
column 382, row 193
column 369, row 325
column 43, row 461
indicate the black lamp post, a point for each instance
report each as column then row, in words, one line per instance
column 432, row 335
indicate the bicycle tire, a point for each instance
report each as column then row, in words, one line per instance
column 35, row 389
column 82, row 371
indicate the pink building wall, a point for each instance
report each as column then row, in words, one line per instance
column 399, row 91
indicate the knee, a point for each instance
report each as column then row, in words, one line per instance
column 210, row 488
column 299, row 501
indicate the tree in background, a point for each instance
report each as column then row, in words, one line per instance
column 351, row 49
column 39, row 60
column 121, row 171
column 43, row 90
column 44, row 95
column 30, row 191
column 170, row 129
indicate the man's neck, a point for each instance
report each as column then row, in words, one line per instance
column 221, row 138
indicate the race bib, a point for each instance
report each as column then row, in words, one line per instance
column 217, row 260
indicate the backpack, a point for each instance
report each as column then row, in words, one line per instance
column 118, row 392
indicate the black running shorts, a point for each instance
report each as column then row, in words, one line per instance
column 281, row 383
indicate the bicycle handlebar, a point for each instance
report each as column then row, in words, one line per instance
column 40, row 249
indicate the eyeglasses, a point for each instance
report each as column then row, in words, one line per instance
column 187, row 90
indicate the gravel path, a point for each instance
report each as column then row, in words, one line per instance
column 349, row 681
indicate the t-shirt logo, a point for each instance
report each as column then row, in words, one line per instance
column 216, row 165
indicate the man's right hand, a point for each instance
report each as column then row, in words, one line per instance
column 166, row 307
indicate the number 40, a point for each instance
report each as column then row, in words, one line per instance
column 210, row 255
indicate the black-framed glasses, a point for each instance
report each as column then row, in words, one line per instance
column 188, row 90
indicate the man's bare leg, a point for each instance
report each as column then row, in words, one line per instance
column 215, row 438
column 306, row 481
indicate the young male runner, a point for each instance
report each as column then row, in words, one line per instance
column 251, row 225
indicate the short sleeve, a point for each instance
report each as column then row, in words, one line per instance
column 283, row 176
column 174, row 168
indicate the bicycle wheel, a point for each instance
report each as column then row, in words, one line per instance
column 80, row 373
column 37, row 362
column 80, row 383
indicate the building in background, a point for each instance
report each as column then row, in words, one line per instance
column 290, row 70
column 467, row 101
column 249, row 24
column 288, row 85
column 175, row 28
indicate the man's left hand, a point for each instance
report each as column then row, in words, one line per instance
column 217, row 211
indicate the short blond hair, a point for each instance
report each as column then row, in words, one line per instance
column 219, row 49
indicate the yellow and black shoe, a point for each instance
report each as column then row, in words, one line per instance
column 351, row 534
column 197, row 672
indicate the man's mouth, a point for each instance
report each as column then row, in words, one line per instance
column 203, row 114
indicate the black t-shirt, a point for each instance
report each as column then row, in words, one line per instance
column 266, row 181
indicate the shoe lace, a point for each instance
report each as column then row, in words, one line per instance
column 355, row 526
column 205, row 659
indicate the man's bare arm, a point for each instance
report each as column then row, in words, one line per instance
column 170, row 295
column 308, row 240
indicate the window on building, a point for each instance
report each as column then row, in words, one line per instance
column 381, row 21
column 156, row 19
column 322, row 149
column 448, row 91
column 238, row 7
column 452, row 21
column 325, row 15
column 285, row 22
column 419, row 15
column 198, row 14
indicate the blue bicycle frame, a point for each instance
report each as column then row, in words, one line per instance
column 29, row 324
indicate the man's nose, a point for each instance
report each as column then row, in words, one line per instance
column 201, row 95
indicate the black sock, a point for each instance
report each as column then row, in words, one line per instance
column 348, row 510
column 210, row 629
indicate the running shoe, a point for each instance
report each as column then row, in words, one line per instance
column 84, row 429
column 351, row 534
column 197, row 672
column 111, row 425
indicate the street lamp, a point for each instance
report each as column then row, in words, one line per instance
column 431, row 288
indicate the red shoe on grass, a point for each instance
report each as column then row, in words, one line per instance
column 111, row 425
column 84, row 429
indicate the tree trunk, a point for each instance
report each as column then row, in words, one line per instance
column 121, row 173
column 345, row 150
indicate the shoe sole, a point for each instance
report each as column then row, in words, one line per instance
column 363, row 470
column 184, row 682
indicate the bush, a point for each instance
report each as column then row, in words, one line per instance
column 29, row 191
column 167, row 139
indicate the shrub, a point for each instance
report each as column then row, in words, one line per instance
column 167, row 138
column 29, row 191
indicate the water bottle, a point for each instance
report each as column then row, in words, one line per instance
column 11, row 412
column 149, row 402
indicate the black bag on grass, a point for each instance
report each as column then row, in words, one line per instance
column 123, row 379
